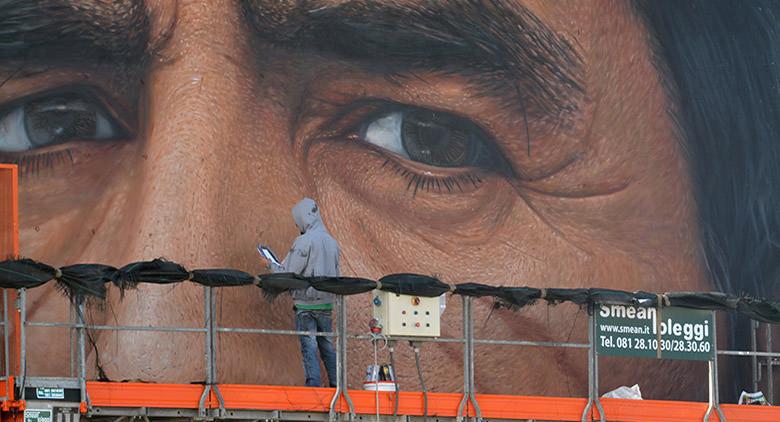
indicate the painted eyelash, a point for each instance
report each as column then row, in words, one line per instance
column 418, row 181
column 33, row 164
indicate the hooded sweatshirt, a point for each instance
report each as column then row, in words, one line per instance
column 314, row 253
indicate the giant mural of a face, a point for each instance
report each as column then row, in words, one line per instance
column 511, row 142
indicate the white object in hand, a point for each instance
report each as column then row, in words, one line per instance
column 267, row 254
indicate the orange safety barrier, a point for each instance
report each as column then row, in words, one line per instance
column 9, row 247
column 306, row 399
column 130, row 394
column 9, row 215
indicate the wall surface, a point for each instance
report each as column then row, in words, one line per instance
column 505, row 142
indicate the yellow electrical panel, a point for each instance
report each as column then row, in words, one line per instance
column 407, row 316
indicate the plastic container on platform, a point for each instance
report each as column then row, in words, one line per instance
column 381, row 385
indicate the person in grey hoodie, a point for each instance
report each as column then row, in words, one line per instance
column 314, row 253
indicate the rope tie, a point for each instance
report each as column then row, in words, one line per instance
column 189, row 276
column 452, row 288
column 379, row 285
column 57, row 274
column 256, row 281
column 542, row 293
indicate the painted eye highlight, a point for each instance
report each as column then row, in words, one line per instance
column 53, row 120
column 433, row 138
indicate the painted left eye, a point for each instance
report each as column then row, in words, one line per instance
column 433, row 138
column 54, row 120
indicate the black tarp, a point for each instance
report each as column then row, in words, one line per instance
column 413, row 284
column 91, row 280
column 221, row 277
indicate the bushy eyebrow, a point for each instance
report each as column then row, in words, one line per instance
column 501, row 46
column 49, row 31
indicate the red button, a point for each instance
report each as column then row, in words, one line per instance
column 417, row 324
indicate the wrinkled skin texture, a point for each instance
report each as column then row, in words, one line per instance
column 221, row 152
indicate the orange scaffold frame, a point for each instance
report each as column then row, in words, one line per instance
column 230, row 401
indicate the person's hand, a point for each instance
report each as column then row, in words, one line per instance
column 266, row 263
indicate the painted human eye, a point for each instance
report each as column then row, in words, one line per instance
column 434, row 138
column 54, row 120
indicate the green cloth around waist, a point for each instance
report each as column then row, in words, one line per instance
column 318, row 307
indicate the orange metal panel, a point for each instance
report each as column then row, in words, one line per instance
column 409, row 403
column 262, row 397
column 169, row 396
column 653, row 410
column 9, row 215
column 735, row 412
column 677, row 411
column 306, row 399
column 9, row 247
column 531, row 407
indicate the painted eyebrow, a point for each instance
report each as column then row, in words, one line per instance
column 503, row 48
column 49, row 31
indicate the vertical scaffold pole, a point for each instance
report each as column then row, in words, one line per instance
column 202, row 410
column 466, row 366
column 82, row 366
column 770, row 382
column 469, row 390
column 712, row 372
column 754, row 370
column 6, row 347
column 342, row 372
column 472, row 371
column 593, row 369
column 21, row 306
column 212, row 333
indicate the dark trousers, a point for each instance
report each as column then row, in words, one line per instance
column 322, row 322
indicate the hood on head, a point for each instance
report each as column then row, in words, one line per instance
column 306, row 215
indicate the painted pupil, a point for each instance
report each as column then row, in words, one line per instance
column 54, row 120
column 437, row 139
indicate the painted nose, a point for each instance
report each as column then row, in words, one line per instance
column 204, row 194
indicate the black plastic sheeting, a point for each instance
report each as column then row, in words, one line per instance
column 85, row 281
column 413, row 284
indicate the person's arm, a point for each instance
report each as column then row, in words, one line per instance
column 277, row 268
column 296, row 259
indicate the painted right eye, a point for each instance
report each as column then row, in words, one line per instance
column 433, row 138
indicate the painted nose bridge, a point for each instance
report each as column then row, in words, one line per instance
column 190, row 141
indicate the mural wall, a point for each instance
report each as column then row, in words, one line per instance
column 557, row 144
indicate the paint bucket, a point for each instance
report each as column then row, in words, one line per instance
column 379, row 385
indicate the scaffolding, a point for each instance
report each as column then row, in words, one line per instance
column 71, row 398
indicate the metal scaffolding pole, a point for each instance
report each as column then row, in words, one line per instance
column 469, row 393
column 212, row 334
column 82, row 366
column 770, row 388
column 342, row 377
column 7, row 360
column 713, row 401
column 202, row 409
column 754, row 359
column 21, row 307
column 593, row 371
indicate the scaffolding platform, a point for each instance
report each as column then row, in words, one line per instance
column 118, row 401
column 27, row 398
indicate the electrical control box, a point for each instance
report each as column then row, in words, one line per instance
column 407, row 316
